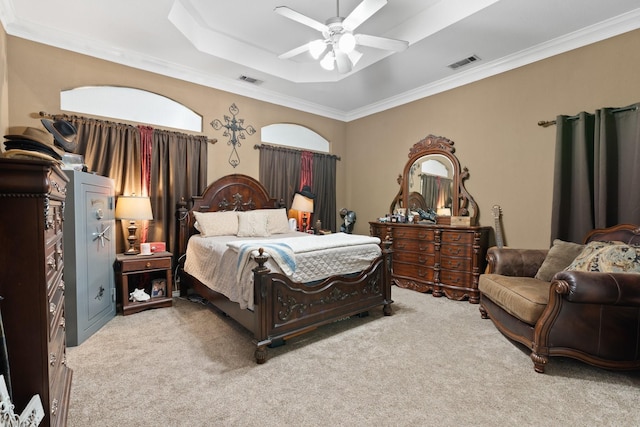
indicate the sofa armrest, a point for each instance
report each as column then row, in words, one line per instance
column 598, row 288
column 515, row 262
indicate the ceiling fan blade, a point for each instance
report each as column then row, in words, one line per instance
column 381, row 42
column 343, row 62
column 295, row 52
column 302, row 19
column 362, row 12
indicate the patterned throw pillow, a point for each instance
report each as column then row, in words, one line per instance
column 608, row 257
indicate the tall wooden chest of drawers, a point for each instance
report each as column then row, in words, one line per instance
column 442, row 259
column 32, row 197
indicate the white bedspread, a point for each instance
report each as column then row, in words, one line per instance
column 214, row 260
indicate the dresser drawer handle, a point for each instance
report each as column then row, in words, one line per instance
column 51, row 263
column 61, row 285
column 148, row 265
column 52, row 308
column 52, row 359
column 54, row 407
column 63, row 324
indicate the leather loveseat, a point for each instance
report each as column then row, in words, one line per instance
column 592, row 316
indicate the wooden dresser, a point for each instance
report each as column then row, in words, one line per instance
column 441, row 259
column 32, row 196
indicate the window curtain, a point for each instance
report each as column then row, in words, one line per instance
column 324, row 179
column 279, row 172
column 109, row 149
column 178, row 170
column 146, row 139
column 596, row 172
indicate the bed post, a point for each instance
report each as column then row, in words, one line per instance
column 260, row 307
column 387, row 255
column 182, row 234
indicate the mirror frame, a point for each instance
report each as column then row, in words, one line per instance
column 463, row 202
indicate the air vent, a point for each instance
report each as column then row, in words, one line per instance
column 250, row 80
column 464, row 62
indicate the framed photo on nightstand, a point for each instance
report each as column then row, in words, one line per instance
column 158, row 288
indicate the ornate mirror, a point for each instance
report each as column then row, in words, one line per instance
column 433, row 180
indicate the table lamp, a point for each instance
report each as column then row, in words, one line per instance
column 303, row 202
column 134, row 209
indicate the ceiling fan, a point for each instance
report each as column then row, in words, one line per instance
column 338, row 44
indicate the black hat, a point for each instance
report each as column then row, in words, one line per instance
column 306, row 192
column 64, row 133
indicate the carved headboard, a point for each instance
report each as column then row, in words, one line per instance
column 234, row 192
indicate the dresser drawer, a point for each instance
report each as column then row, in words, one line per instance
column 454, row 263
column 146, row 264
column 410, row 245
column 56, row 309
column 456, row 278
column 464, row 251
column 417, row 232
column 420, row 273
column 418, row 258
column 459, row 237
column 53, row 261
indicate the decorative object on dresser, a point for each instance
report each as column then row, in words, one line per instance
column 134, row 209
column 89, row 246
column 277, row 306
column 445, row 257
column 140, row 273
column 33, row 195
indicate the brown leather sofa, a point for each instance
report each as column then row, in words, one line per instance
column 590, row 316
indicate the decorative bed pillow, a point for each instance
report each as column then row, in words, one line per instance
column 277, row 221
column 558, row 258
column 217, row 223
column 608, row 257
column 253, row 224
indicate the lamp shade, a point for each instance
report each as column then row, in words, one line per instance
column 133, row 208
column 302, row 203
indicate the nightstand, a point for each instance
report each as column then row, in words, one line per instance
column 149, row 272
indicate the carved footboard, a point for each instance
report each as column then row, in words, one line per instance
column 285, row 309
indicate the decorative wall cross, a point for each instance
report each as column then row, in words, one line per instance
column 234, row 129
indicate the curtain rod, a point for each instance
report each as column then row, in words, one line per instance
column 293, row 150
column 547, row 123
column 66, row 117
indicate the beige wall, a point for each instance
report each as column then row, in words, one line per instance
column 492, row 122
column 37, row 74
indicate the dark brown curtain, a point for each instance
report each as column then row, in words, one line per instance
column 324, row 186
column 596, row 172
column 113, row 150
column 178, row 170
column 280, row 172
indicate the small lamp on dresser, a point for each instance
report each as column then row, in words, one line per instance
column 133, row 208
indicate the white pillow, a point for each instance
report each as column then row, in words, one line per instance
column 277, row 221
column 253, row 224
column 217, row 223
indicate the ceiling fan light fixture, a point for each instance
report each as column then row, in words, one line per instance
column 347, row 43
column 328, row 62
column 317, row 48
column 354, row 56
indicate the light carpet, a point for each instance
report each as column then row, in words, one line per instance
column 435, row 362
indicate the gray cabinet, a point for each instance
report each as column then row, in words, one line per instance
column 89, row 248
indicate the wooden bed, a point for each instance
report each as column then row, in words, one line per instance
column 282, row 308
